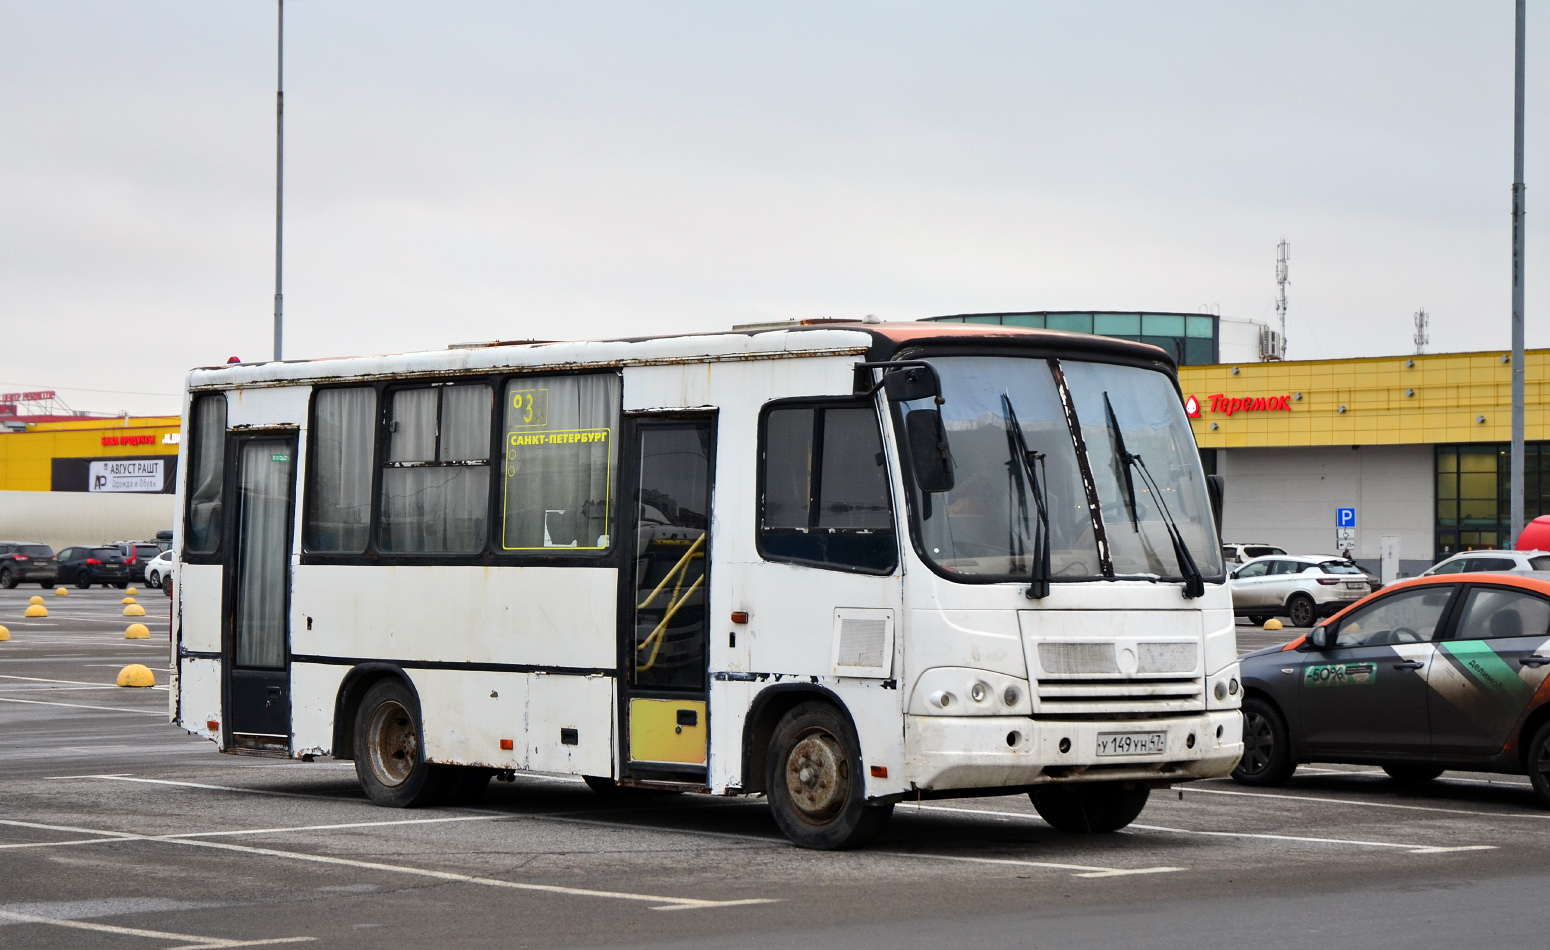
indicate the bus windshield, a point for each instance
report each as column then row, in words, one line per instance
column 985, row 526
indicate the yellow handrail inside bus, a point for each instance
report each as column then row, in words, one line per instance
column 682, row 563
column 660, row 633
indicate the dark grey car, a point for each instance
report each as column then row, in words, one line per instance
column 99, row 564
column 1434, row 673
column 23, row 562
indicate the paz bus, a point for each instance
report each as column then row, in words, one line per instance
column 839, row 564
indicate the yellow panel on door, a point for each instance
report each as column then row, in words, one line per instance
column 667, row 730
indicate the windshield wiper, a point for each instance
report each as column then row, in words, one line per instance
column 1194, row 582
column 1032, row 463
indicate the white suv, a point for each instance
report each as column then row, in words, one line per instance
column 159, row 570
column 1240, row 553
column 1500, row 562
column 1302, row 589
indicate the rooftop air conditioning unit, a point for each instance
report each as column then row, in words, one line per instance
column 1271, row 346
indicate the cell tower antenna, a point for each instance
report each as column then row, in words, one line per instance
column 1423, row 320
column 1283, row 255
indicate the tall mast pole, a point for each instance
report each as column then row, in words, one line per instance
column 1517, row 288
column 279, row 183
column 1283, row 257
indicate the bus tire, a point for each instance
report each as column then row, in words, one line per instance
column 814, row 782
column 1097, row 807
column 389, row 759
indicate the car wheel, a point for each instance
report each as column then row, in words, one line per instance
column 7, row 579
column 1539, row 764
column 83, row 580
column 1412, row 773
column 153, row 580
column 1098, row 807
column 1267, row 747
column 1300, row 610
column 813, row 780
column 388, row 757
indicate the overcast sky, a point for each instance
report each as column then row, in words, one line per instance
column 476, row 171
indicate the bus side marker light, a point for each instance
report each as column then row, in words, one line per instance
column 137, row 631
column 136, row 675
column 4, row 634
column 879, row 771
column 508, row 745
column 134, row 610
column 34, row 599
column 739, row 616
column 35, row 610
column 212, row 725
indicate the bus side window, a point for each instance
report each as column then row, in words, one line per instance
column 824, row 488
column 436, row 480
column 558, row 464
column 206, row 475
column 344, row 437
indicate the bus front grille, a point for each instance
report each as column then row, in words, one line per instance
column 1105, row 696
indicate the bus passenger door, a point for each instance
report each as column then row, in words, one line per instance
column 255, row 644
column 663, row 622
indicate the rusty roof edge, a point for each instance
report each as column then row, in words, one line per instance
column 219, row 378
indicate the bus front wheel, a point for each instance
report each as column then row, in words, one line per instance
column 388, row 757
column 813, row 779
column 1095, row 807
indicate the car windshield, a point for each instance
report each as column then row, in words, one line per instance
column 985, row 526
column 1340, row 567
column 43, row 550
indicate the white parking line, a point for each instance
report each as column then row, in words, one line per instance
column 1408, row 848
column 1083, row 870
column 191, row 942
column 1352, row 842
column 118, row 709
column 1472, row 812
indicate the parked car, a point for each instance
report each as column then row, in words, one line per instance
column 1439, row 672
column 159, row 570
column 137, row 554
column 1474, row 562
column 1241, row 553
column 164, row 539
column 23, row 562
column 87, row 565
column 1302, row 589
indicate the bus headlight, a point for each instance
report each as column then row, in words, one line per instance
column 939, row 692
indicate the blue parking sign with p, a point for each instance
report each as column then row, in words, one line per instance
column 1345, row 517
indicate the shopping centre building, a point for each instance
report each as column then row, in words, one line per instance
column 1416, row 445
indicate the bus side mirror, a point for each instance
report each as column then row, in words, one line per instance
column 1321, row 637
column 929, row 455
column 1216, row 488
column 911, row 383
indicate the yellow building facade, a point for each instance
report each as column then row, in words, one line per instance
column 60, row 455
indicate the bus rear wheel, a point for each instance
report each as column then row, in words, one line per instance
column 1096, row 807
column 813, row 780
column 388, row 759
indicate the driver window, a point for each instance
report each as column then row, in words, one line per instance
column 1407, row 617
column 1257, row 569
column 1495, row 614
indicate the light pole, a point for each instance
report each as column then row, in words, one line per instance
column 279, row 183
column 1517, row 289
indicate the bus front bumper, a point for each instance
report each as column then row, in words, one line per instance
column 948, row 752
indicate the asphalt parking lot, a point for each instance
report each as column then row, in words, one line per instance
column 117, row 830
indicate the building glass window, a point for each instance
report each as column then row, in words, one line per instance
column 1474, row 495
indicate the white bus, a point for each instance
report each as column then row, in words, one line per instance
column 838, row 564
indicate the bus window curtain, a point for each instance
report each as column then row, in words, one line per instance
column 343, row 440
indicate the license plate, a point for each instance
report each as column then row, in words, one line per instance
column 1132, row 743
